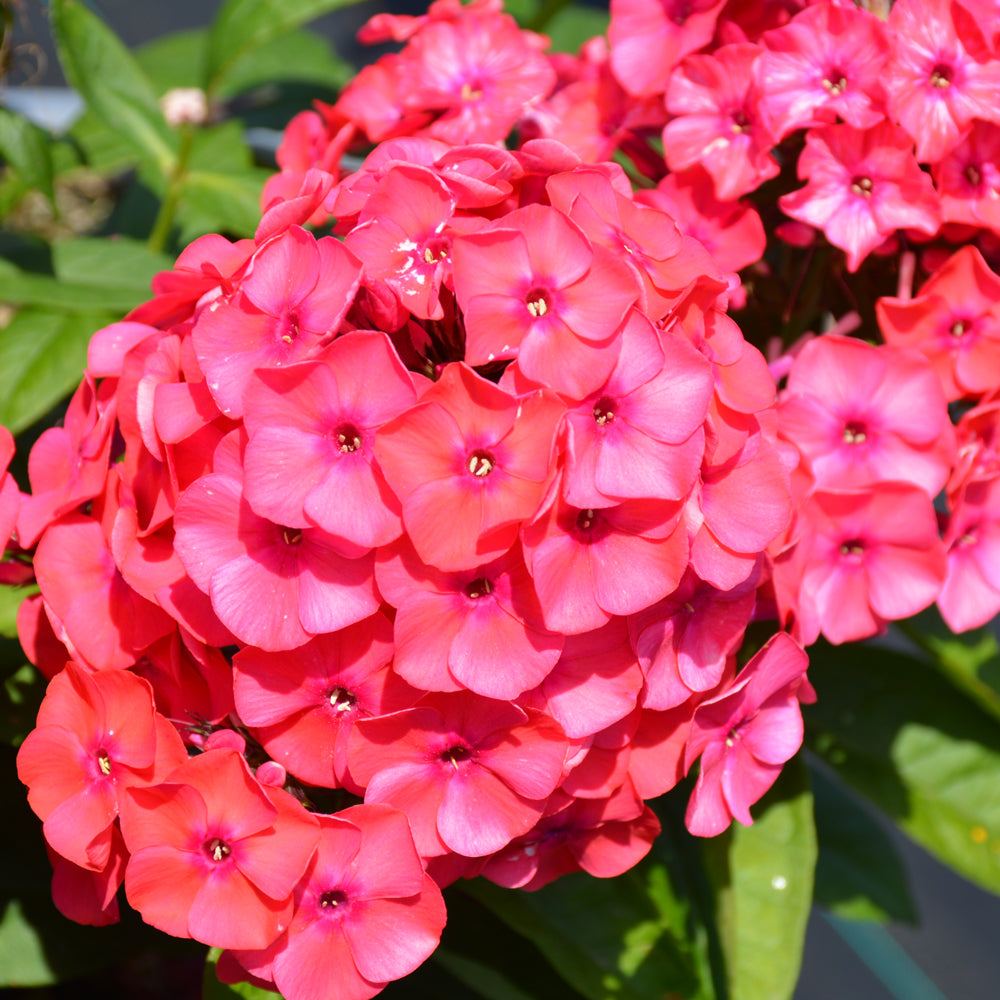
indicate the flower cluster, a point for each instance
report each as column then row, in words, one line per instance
column 424, row 549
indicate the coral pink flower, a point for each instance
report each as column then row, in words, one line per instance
column 649, row 37
column 302, row 710
column 870, row 557
column 535, row 288
column 718, row 124
column 471, row 774
column 479, row 629
column 745, row 734
column 954, row 321
column 215, row 856
column 271, row 585
column 862, row 414
column 296, row 293
column 97, row 734
column 469, row 463
column 309, row 460
column 825, row 62
column 941, row 76
column 365, row 912
column 968, row 178
column 863, row 186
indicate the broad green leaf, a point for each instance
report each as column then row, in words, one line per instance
column 106, row 149
column 574, row 25
column 99, row 66
column 21, row 694
column 174, row 60
column 42, row 354
column 243, row 25
column 10, row 601
column 26, row 288
column 226, row 203
column 859, row 875
column 900, row 733
column 485, row 981
column 28, row 150
column 610, row 939
column 117, row 264
column 212, row 989
column 763, row 875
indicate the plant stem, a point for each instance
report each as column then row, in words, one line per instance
column 168, row 208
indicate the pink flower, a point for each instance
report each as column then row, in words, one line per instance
column 863, row 186
column 744, row 734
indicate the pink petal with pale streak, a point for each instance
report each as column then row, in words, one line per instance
column 967, row 600
column 747, row 507
column 780, row 663
column 634, row 465
column 558, row 250
column 388, row 865
column 283, row 272
column 423, row 444
column 529, row 758
column 495, row 655
column 333, row 863
column 305, row 744
column 774, row 734
column 406, row 737
column 840, row 371
column 480, row 814
column 495, row 325
column 631, row 572
column 230, row 912
column 128, row 711
column 418, row 791
column 275, row 859
column 50, row 763
column 182, row 408
column 339, row 277
column 108, row 347
column 302, row 396
column 372, row 381
column 316, row 964
column 206, row 521
column 596, row 306
column 561, row 569
column 80, row 828
column 162, row 884
column 334, row 591
column 507, row 499
column 259, row 606
column 426, row 625
column 493, row 262
column 707, row 812
column 167, row 815
column 840, row 595
column 282, row 465
column 354, row 501
column 717, row 565
column 553, row 355
column 745, row 780
column 413, row 925
column 901, row 581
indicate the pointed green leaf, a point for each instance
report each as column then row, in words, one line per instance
column 28, row 150
column 244, row 25
column 212, row 989
column 859, row 874
column 10, row 601
column 900, row 733
column 99, row 66
column 763, row 875
column 116, row 264
column 42, row 354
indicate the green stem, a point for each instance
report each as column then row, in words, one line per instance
column 168, row 209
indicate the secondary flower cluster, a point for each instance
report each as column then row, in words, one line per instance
column 424, row 550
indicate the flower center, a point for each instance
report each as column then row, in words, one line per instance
column 332, row 899
column 853, row 548
column 291, row 536
column 348, row 438
column 481, row 463
column 740, row 123
column 604, row 411
column 537, row 302
column 341, row 700
column 104, row 762
column 217, row 849
column 455, row 755
column 854, row 433
column 471, row 92
column 941, row 76
column 958, row 328
column 862, row 186
column 835, row 83
column 973, row 175
column 480, row 587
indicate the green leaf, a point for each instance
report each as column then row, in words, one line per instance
column 244, row 25
column 227, row 203
column 610, row 939
column 28, row 150
column 174, row 60
column 574, row 25
column 902, row 735
column 117, row 264
column 763, row 876
column 42, row 354
column 99, row 66
column 22, row 693
column 212, row 989
column 859, row 874
column 10, row 601
column 25, row 288
column 478, row 976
